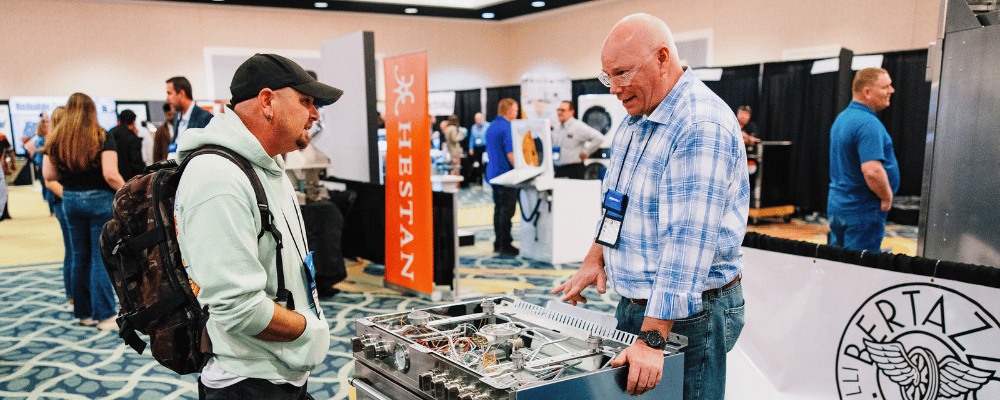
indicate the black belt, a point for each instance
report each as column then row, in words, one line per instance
column 643, row 302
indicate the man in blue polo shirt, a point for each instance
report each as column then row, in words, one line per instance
column 500, row 150
column 864, row 174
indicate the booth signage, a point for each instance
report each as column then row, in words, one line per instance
column 409, row 231
column 819, row 329
column 919, row 341
column 25, row 114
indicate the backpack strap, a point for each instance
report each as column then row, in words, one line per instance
column 284, row 296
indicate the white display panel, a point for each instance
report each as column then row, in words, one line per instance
column 24, row 116
column 561, row 222
column 814, row 329
column 107, row 112
column 138, row 108
column 350, row 137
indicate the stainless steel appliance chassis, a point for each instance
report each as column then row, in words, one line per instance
column 498, row 349
column 960, row 196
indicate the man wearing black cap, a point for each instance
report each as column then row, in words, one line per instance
column 260, row 348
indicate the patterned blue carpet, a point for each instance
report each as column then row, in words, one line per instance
column 44, row 354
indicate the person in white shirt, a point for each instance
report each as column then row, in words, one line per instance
column 575, row 140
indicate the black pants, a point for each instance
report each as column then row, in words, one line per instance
column 572, row 171
column 476, row 174
column 467, row 171
column 504, row 206
column 254, row 389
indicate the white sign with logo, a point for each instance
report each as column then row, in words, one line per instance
column 25, row 114
column 441, row 103
column 818, row 329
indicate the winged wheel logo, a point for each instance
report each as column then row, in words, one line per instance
column 921, row 376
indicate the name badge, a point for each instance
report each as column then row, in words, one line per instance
column 614, row 206
column 310, row 277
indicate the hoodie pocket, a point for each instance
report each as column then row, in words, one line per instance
column 310, row 348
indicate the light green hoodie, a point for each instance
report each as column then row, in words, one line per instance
column 218, row 223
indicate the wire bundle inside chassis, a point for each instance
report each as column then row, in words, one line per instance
column 488, row 349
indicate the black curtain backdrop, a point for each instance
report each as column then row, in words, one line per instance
column 738, row 86
column 495, row 94
column 791, row 104
column 467, row 104
column 800, row 107
column 906, row 117
column 586, row 86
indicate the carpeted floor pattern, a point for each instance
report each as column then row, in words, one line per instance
column 44, row 354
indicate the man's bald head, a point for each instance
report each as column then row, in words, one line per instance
column 643, row 33
column 639, row 62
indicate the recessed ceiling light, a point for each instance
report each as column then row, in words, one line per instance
column 489, row 15
column 216, row 0
column 410, row 10
column 321, row 4
column 538, row 4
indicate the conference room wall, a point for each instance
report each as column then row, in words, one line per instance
column 743, row 31
column 127, row 49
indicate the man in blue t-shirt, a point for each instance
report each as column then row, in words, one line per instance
column 864, row 174
column 500, row 150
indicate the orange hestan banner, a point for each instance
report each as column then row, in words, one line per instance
column 409, row 230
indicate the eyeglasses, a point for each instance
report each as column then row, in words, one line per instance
column 625, row 78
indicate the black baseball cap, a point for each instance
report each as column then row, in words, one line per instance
column 275, row 72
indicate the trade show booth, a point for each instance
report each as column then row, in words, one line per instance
column 558, row 216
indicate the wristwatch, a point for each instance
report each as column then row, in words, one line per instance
column 653, row 339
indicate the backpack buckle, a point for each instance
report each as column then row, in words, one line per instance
column 120, row 248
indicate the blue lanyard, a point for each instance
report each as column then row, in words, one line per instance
column 636, row 166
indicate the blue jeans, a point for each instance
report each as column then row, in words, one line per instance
column 51, row 198
column 86, row 213
column 711, row 334
column 67, row 244
column 862, row 231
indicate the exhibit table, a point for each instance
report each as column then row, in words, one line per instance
column 558, row 225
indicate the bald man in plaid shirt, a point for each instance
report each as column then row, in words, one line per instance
column 676, row 202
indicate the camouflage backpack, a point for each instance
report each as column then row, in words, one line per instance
column 140, row 251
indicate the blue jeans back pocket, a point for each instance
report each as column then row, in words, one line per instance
column 734, row 325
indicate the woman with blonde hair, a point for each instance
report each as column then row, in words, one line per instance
column 81, row 166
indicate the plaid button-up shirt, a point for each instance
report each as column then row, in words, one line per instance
column 684, row 169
